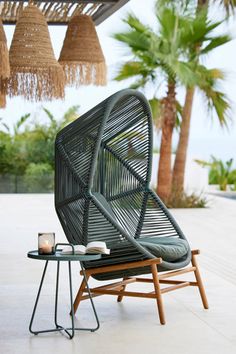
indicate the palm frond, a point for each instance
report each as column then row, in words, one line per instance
column 49, row 114
column 6, row 126
column 135, row 40
column 131, row 69
column 179, row 112
column 139, row 83
column 168, row 21
column 185, row 72
column 203, row 163
column 181, row 6
column 157, row 106
column 215, row 43
column 219, row 102
column 229, row 6
column 208, row 82
column 136, row 24
column 216, row 74
column 71, row 114
column 157, row 111
column 20, row 122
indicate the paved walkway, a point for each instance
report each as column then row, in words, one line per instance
column 131, row 326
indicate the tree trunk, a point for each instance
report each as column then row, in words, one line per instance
column 181, row 153
column 164, row 169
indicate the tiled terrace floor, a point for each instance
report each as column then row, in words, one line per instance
column 131, row 326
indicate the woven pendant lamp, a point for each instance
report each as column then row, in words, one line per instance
column 4, row 66
column 35, row 73
column 3, row 92
column 4, row 55
column 2, row 100
column 81, row 55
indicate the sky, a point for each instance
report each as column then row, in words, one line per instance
column 206, row 136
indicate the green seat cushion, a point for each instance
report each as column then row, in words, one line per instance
column 170, row 249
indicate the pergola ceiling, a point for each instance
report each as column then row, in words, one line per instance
column 59, row 12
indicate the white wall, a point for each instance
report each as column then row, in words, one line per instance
column 196, row 177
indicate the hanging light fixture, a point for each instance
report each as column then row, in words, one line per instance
column 35, row 73
column 3, row 91
column 4, row 66
column 2, row 100
column 4, row 55
column 81, row 55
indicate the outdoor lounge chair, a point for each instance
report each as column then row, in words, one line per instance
column 102, row 193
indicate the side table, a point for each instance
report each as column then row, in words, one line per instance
column 59, row 257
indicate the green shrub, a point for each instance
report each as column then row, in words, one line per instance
column 39, row 178
column 220, row 172
column 183, row 200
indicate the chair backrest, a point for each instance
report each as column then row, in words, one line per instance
column 103, row 166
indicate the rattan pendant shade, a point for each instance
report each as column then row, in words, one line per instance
column 2, row 100
column 4, row 66
column 81, row 55
column 3, row 91
column 4, row 55
column 35, row 73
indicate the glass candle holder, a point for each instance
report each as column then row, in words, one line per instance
column 46, row 243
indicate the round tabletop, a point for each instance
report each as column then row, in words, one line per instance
column 58, row 256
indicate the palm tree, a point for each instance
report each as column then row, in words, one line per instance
column 216, row 99
column 164, row 56
column 158, row 55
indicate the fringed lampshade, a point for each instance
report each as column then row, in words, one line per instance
column 4, row 55
column 3, row 92
column 81, row 55
column 4, row 66
column 35, row 73
column 2, row 100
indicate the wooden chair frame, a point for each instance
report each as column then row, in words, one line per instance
column 119, row 288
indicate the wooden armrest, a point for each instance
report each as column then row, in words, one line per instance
column 128, row 265
column 194, row 252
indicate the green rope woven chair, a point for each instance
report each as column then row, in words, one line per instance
column 103, row 164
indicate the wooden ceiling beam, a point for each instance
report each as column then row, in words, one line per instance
column 100, row 10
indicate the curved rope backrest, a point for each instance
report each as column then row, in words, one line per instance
column 102, row 176
column 106, row 151
column 124, row 162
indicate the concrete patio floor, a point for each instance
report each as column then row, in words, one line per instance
column 131, row 326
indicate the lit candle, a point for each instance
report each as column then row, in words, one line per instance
column 46, row 242
column 45, row 247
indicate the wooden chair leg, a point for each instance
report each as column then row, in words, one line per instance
column 158, row 294
column 79, row 294
column 120, row 297
column 199, row 282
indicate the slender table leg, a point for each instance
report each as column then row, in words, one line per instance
column 56, row 301
column 91, row 300
column 71, row 303
column 70, row 331
column 56, row 296
column 37, row 299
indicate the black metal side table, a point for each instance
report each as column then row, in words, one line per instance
column 59, row 257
